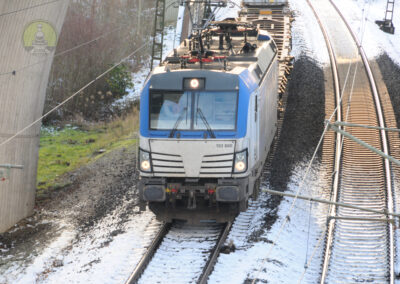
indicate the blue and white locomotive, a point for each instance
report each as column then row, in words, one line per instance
column 208, row 116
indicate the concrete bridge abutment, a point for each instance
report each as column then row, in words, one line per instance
column 29, row 30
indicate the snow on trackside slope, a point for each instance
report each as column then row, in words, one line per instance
column 92, row 257
column 97, row 259
column 307, row 38
column 361, row 15
column 28, row 270
column 285, row 262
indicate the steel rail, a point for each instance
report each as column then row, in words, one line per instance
column 147, row 257
column 144, row 261
column 338, row 151
column 378, row 105
column 213, row 258
column 338, row 144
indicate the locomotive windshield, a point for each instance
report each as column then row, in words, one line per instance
column 193, row 110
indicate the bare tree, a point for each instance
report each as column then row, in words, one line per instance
column 95, row 35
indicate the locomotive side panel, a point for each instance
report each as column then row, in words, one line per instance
column 269, row 105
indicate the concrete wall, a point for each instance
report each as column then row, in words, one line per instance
column 21, row 100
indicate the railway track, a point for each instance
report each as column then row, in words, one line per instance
column 359, row 245
column 181, row 253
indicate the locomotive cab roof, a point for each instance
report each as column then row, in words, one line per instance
column 224, row 46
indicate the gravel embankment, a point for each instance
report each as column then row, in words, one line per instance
column 301, row 130
column 391, row 75
column 303, row 121
column 96, row 190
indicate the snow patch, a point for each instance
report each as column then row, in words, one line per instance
column 307, row 38
column 361, row 15
column 285, row 264
column 101, row 258
column 37, row 270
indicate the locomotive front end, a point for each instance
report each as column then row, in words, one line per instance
column 194, row 155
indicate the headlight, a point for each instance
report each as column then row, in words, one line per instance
column 240, row 165
column 144, row 161
column 145, row 166
column 194, row 83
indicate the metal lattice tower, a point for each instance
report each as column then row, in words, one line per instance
column 158, row 33
column 389, row 16
column 387, row 24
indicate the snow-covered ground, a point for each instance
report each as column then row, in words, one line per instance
column 361, row 15
column 307, row 38
column 284, row 262
column 94, row 258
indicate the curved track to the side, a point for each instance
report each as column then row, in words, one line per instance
column 357, row 250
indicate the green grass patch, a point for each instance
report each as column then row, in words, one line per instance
column 62, row 151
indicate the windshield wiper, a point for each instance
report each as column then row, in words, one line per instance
column 203, row 118
column 172, row 133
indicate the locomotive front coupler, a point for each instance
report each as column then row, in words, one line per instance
column 191, row 200
column 171, row 197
